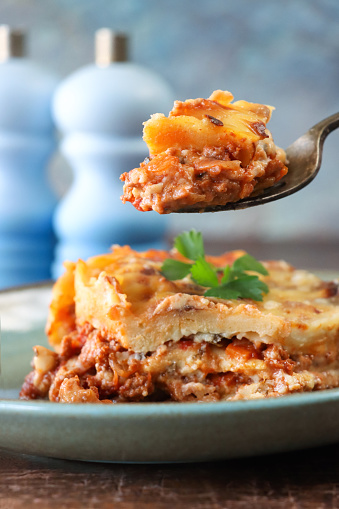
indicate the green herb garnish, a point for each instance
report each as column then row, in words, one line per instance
column 235, row 283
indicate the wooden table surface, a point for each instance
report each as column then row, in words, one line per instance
column 305, row 479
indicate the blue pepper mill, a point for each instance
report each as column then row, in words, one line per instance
column 100, row 109
column 26, row 143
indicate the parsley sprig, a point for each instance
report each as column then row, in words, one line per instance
column 235, row 282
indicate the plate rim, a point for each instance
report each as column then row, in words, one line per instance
column 46, row 283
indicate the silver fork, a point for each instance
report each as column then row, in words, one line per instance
column 303, row 162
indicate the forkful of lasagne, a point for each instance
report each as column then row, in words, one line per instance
column 215, row 154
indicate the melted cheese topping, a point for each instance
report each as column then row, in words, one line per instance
column 124, row 295
column 200, row 122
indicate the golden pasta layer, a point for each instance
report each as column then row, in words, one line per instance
column 207, row 152
column 121, row 331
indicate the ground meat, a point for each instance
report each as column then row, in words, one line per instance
column 104, row 371
column 278, row 358
column 137, row 388
column 177, row 179
column 29, row 390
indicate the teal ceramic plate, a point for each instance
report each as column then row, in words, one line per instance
column 152, row 432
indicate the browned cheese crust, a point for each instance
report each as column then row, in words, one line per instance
column 207, row 152
column 122, row 332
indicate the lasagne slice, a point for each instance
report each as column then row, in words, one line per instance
column 121, row 331
column 206, row 153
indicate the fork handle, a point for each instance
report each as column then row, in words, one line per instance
column 325, row 127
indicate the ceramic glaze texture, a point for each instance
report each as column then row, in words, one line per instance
column 101, row 111
column 26, row 199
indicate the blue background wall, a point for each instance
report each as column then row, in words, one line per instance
column 285, row 54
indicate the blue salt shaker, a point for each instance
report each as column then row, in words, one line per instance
column 100, row 109
column 26, row 143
